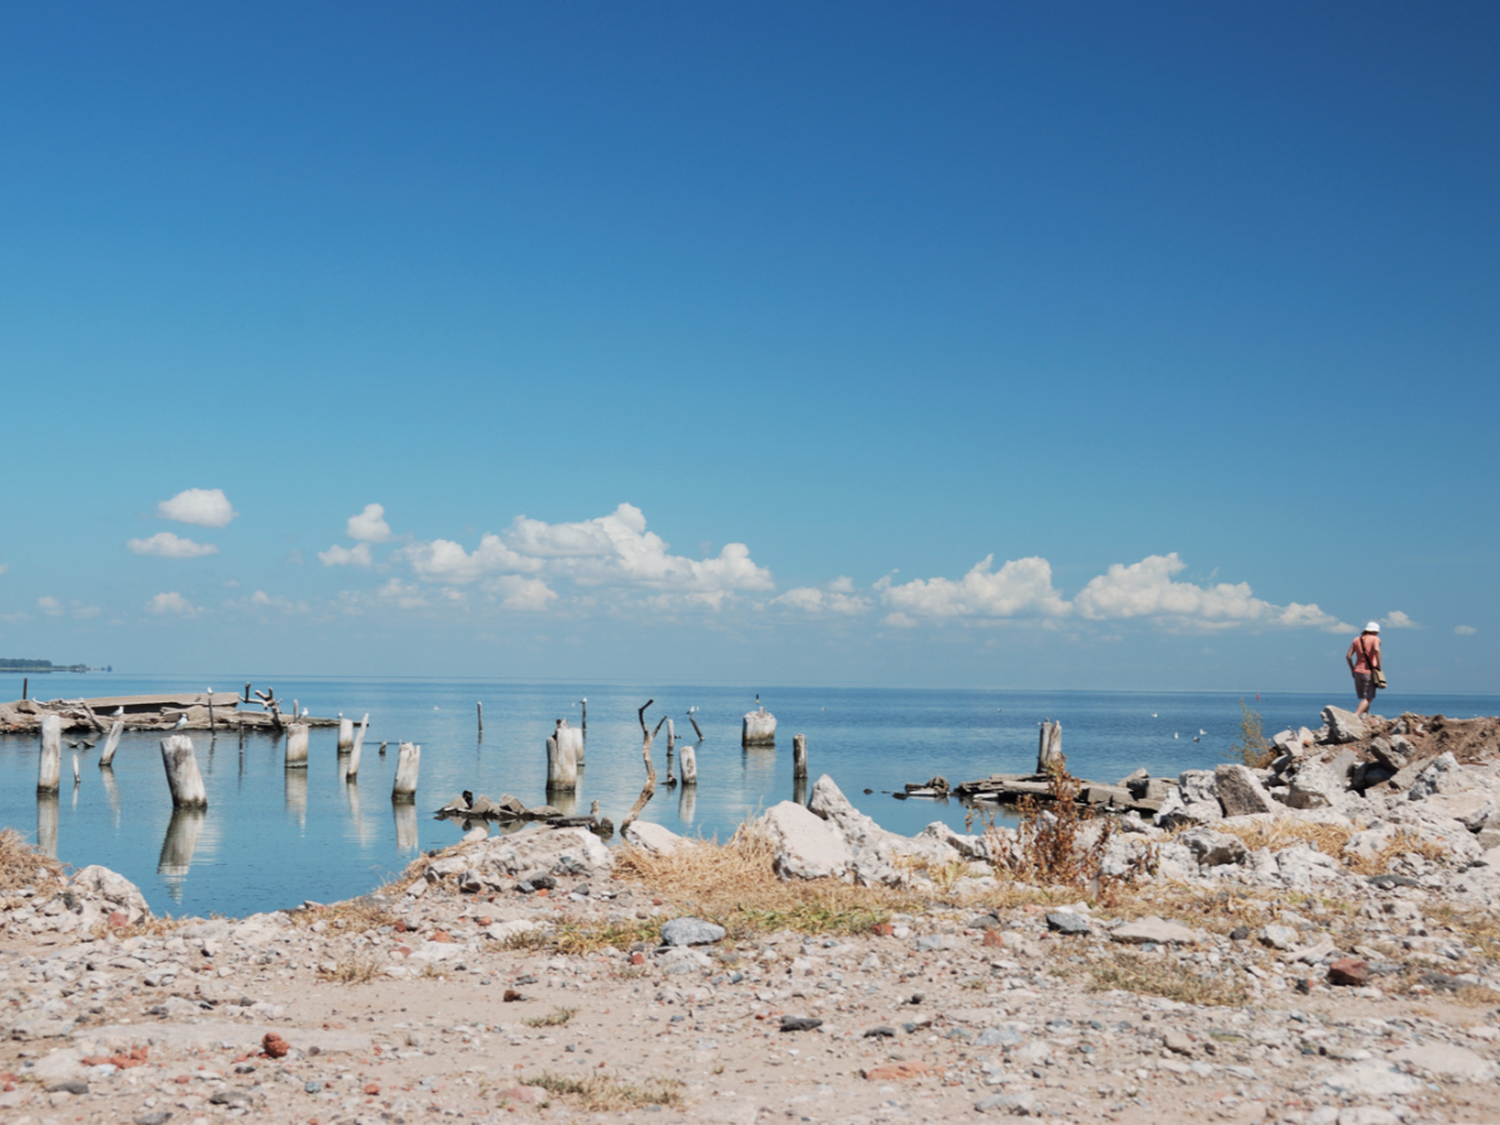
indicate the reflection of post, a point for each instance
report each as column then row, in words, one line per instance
column 799, row 790
column 296, row 746
column 351, row 794
column 346, row 734
column 564, row 801
column 49, row 772
column 408, row 761
column 406, row 826
column 799, row 755
column 359, row 746
column 111, row 791
column 687, row 805
column 112, row 743
column 296, row 795
column 183, row 778
column 177, row 848
column 46, row 823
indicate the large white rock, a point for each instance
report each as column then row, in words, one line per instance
column 877, row 852
column 1442, row 775
column 1445, row 1060
column 1195, row 800
column 1240, row 792
column 119, row 892
column 806, row 846
column 544, row 851
column 1154, row 929
column 1344, row 726
column 1314, row 787
column 654, row 838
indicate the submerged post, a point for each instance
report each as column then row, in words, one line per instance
column 49, row 772
column 210, row 710
column 689, row 754
column 480, row 707
column 758, row 728
column 408, row 760
column 1049, row 755
column 77, row 777
column 562, row 756
column 112, row 743
column 799, row 755
column 296, row 746
column 183, row 778
column 352, row 771
column 346, row 734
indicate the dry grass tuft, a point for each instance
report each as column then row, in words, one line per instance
column 555, row 1018
column 1285, row 832
column 736, row 885
column 1216, row 910
column 21, row 865
column 354, row 970
column 578, row 938
column 1165, row 977
column 1053, row 847
column 601, row 1093
column 354, row 916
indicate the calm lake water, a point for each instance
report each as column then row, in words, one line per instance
column 272, row 838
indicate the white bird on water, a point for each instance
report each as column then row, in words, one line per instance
column 1153, row 714
column 1175, row 734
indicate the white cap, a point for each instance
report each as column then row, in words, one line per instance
column 1373, row 627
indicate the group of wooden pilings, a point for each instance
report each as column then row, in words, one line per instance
column 181, row 764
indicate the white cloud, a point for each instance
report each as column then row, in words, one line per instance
column 171, row 603
column 1020, row 588
column 614, row 550
column 516, row 592
column 403, row 595
column 369, row 526
column 165, row 545
column 84, row 612
column 49, row 605
column 1465, row 630
column 1398, row 620
column 1146, row 589
column 358, row 555
column 838, row 596
column 202, row 507
column 262, row 600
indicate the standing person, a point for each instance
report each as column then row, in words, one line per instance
column 1363, row 659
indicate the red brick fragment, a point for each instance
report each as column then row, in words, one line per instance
column 1350, row 971
column 274, row 1046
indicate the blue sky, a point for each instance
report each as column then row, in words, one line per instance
column 1184, row 316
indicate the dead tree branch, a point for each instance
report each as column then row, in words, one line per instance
column 649, row 790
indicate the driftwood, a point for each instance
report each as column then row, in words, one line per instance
column 649, row 789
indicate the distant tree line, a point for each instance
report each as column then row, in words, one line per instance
column 7, row 665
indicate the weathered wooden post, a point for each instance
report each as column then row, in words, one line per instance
column 758, row 729
column 382, row 749
column 49, row 772
column 562, row 757
column 183, row 778
column 112, row 743
column 77, row 777
column 799, row 755
column 671, row 743
column 46, row 823
column 358, row 748
column 1049, row 755
column 210, row 710
column 25, row 685
column 480, row 707
column 649, row 789
column 346, row 734
column 296, row 746
column 689, row 754
column 408, row 760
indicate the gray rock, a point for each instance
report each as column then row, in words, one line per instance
column 800, row 1023
column 654, row 838
column 1157, row 931
column 1384, row 752
column 997, row 1037
column 1344, row 726
column 1019, row 1105
column 1314, row 786
column 1214, row 848
column 1279, row 937
column 1067, row 922
column 543, row 851
column 691, row 931
column 155, row 1117
column 1441, row 775
column 1240, row 793
column 119, row 892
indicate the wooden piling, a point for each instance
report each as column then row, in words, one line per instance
column 689, row 755
column 49, row 772
column 183, row 778
column 799, row 755
column 1049, row 755
column 758, row 728
column 112, row 743
column 480, row 707
column 346, row 734
column 296, row 746
column 408, row 760
column 77, row 777
column 210, row 710
column 358, row 748
column 562, row 757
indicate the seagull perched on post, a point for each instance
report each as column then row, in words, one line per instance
column 181, row 721
column 119, row 712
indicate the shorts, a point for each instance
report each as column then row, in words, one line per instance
column 1364, row 686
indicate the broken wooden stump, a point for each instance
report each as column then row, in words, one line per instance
column 112, row 743
column 183, row 778
column 408, row 761
column 799, row 755
column 346, row 734
column 758, row 728
column 296, row 746
column 1049, row 755
column 351, row 770
column 49, row 770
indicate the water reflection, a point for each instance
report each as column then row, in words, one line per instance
column 46, row 824
column 296, row 796
column 564, row 801
column 687, row 805
column 759, row 764
column 178, row 847
column 111, row 792
column 406, row 826
column 350, row 789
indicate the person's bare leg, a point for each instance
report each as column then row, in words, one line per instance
column 1363, row 708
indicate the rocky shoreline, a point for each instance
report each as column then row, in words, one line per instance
column 1330, row 958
